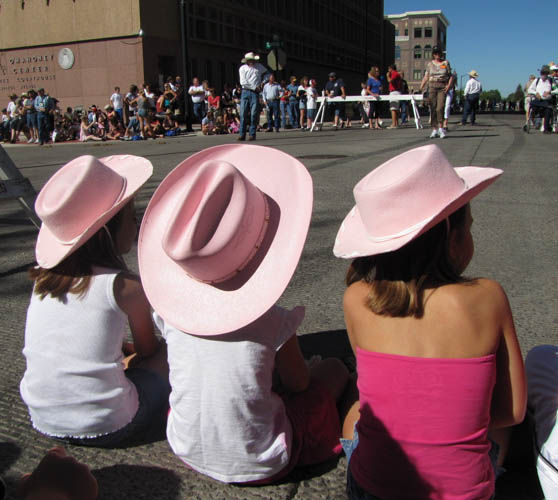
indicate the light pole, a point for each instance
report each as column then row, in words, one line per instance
column 185, row 72
column 461, row 81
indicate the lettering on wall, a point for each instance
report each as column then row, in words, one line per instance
column 41, row 63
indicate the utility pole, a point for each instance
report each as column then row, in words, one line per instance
column 185, row 72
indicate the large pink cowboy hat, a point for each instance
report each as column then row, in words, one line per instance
column 404, row 197
column 80, row 198
column 222, row 236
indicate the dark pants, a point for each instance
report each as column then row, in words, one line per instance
column 546, row 108
column 471, row 104
column 42, row 121
column 273, row 115
column 249, row 112
column 198, row 110
column 294, row 114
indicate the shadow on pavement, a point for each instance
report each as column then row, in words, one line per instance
column 137, row 481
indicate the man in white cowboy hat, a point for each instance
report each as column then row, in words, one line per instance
column 251, row 75
column 471, row 94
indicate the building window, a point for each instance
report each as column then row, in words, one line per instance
column 417, row 52
column 200, row 28
column 397, row 32
column 406, row 31
column 417, row 74
column 427, row 32
column 418, row 32
column 397, row 52
column 427, row 52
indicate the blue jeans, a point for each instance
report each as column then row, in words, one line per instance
column 403, row 111
column 249, row 110
column 284, row 106
column 42, row 122
column 273, row 115
column 471, row 103
column 198, row 110
column 294, row 113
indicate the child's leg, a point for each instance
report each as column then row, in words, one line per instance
column 333, row 374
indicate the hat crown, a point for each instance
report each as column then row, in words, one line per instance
column 406, row 191
column 74, row 198
column 217, row 223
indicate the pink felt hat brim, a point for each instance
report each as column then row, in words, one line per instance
column 204, row 309
column 49, row 251
column 352, row 239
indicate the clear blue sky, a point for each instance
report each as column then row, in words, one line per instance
column 505, row 41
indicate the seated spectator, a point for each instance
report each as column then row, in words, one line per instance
column 115, row 130
column 78, row 386
column 214, row 101
column 232, row 121
column 541, row 90
column 220, row 126
column 208, row 124
column 86, row 132
column 227, row 97
column 170, row 125
column 541, row 366
column 444, row 343
column 156, row 126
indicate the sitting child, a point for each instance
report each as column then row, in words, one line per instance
column 219, row 243
column 86, row 131
column 438, row 360
column 76, row 386
column 208, row 124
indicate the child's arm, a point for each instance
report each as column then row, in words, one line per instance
column 290, row 365
column 131, row 298
column 509, row 398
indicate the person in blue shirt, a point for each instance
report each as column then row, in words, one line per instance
column 42, row 106
column 374, row 88
column 293, row 110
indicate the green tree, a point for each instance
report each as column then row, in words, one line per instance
column 491, row 95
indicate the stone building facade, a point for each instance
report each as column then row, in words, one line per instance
column 416, row 33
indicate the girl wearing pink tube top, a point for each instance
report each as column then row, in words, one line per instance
column 438, row 362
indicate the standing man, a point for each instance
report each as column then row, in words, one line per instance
column 42, row 106
column 293, row 109
column 251, row 74
column 395, row 84
column 117, row 103
column 471, row 94
column 197, row 92
column 271, row 95
column 336, row 88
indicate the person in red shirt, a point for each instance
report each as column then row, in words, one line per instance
column 214, row 101
column 395, row 83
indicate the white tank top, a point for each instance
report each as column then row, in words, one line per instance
column 74, row 384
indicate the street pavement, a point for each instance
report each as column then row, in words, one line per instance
column 515, row 233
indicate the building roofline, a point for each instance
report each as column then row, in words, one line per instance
column 414, row 13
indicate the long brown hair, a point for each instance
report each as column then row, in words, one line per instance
column 397, row 279
column 73, row 274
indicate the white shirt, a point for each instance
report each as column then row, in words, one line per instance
column 271, row 91
column 12, row 106
column 540, row 86
column 116, row 100
column 197, row 97
column 251, row 76
column 74, row 384
column 473, row 86
column 225, row 420
column 541, row 366
column 311, row 96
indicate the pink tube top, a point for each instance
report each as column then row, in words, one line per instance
column 423, row 427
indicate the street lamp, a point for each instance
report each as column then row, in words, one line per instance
column 461, row 81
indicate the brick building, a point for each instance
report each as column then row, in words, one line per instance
column 415, row 34
column 79, row 50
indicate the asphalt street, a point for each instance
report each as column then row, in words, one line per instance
column 516, row 239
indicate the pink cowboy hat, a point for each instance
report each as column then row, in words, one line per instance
column 222, row 236
column 80, row 198
column 403, row 198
